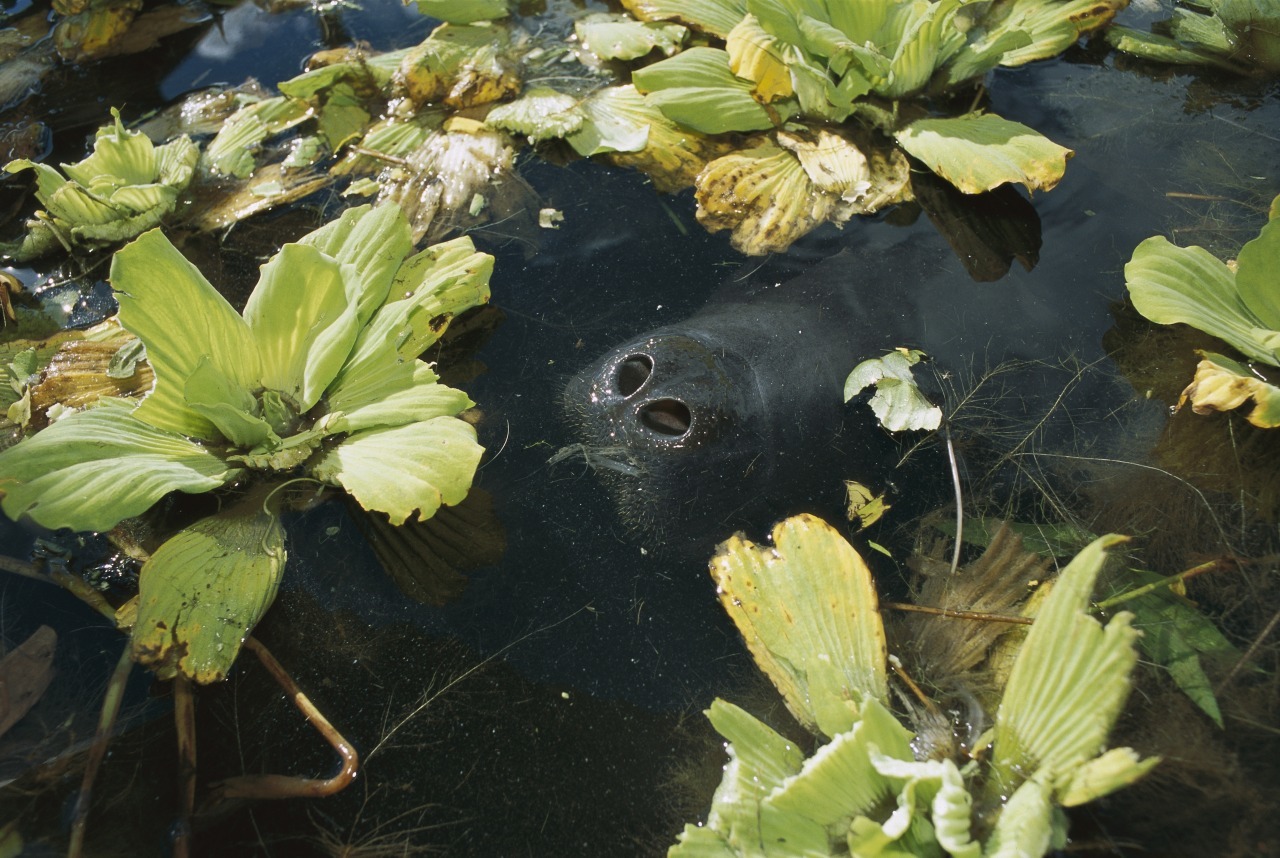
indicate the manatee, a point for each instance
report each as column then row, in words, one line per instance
column 736, row 415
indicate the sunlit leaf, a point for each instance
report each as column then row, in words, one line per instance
column 1028, row 824
column 839, row 781
column 460, row 65
column 232, row 150
column 464, row 11
column 1170, row 284
column 864, row 505
column 302, row 315
column 1053, row 26
column 407, row 469
column 92, row 469
column 697, row 88
column 1222, row 384
column 160, row 292
column 375, row 241
column 756, row 55
column 1103, row 775
column 898, row 403
column 203, row 591
column 808, row 610
column 716, row 17
column 1256, row 267
column 619, row 37
column 1068, row 684
column 120, row 157
column 616, row 120
column 977, row 153
column 401, row 400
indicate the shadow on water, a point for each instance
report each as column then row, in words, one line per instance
column 553, row 707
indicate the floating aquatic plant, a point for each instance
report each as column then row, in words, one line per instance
column 1238, row 304
column 897, row 402
column 807, row 608
column 1241, row 36
column 319, row 378
column 124, row 188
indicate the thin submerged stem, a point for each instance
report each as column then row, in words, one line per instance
column 184, row 717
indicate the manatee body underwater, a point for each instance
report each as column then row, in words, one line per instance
column 736, row 415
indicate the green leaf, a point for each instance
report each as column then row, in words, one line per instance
column 898, row 403
column 697, row 89
column 406, row 469
column 419, row 397
column 120, row 157
column 440, row 282
column 978, row 153
column 616, row 120
column 759, row 761
column 1257, row 264
column 1170, row 284
column 464, row 11
column 1105, row 774
column 92, row 469
column 716, row 17
column 160, row 292
column 1027, row 824
column 1068, row 683
column 809, row 613
column 375, row 241
column 839, row 781
column 619, row 37
column 1162, row 49
column 225, row 404
column 203, row 591
column 342, row 118
column 304, row 322
column 232, row 150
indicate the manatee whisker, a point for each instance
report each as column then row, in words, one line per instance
column 616, row 459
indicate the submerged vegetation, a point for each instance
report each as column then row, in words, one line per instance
column 1241, row 36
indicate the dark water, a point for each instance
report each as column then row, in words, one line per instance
column 553, row 708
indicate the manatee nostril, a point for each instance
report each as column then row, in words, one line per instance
column 666, row 417
column 633, row 373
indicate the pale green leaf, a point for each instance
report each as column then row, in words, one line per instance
column 120, row 157
column 406, row 469
column 75, row 206
column 375, row 240
column 440, row 282
column 616, row 120
column 978, row 153
column 696, row 88
column 1026, row 825
column 464, row 11
column 225, row 404
column 1203, row 31
column 839, row 781
column 203, row 591
column 698, row 841
column 232, row 150
column 422, row 398
column 1053, row 26
column 1068, row 682
column 1102, row 775
column 540, row 114
column 808, row 610
column 1222, row 384
column 342, row 118
column 136, row 199
column 160, row 293
column 48, row 180
column 1170, row 284
column 898, row 403
column 92, row 469
column 759, row 761
column 1257, row 265
column 176, row 162
column 953, row 815
column 1162, row 49
column 716, row 17
column 978, row 58
column 928, row 42
column 619, row 37
column 303, row 321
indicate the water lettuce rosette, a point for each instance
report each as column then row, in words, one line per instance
column 125, row 187
column 318, row 377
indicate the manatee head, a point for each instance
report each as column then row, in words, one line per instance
column 681, row 428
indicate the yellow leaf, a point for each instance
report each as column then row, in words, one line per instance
column 756, row 55
column 1222, row 384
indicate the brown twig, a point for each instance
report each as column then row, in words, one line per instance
column 292, row 786
column 1248, row 654
column 981, row 616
